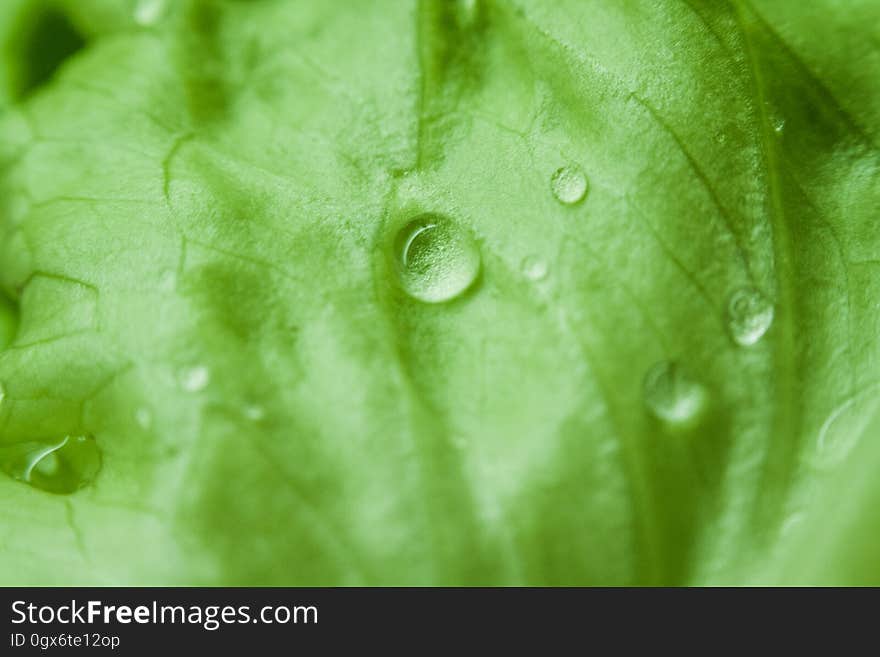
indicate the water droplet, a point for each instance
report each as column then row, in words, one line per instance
column 778, row 124
column 144, row 418
column 149, row 12
column 436, row 259
column 671, row 394
column 2, row 393
column 534, row 268
column 749, row 316
column 195, row 378
column 569, row 184
column 61, row 467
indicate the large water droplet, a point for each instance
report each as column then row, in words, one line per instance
column 671, row 393
column 569, row 184
column 749, row 316
column 194, row 379
column 61, row 466
column 436, row 259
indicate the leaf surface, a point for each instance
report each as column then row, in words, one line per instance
column 199, row 203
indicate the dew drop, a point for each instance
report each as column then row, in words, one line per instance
column 2, row 393
column 436, row 259
column 195, row 378
column 749, row 316
column 569, row 184
column 534, row 268
column 62, row 467
column 671, row 394
column 149, row 12
column 778, row 125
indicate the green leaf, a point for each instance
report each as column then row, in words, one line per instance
column 474, row 292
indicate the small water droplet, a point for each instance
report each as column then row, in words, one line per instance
column 2, row 393
column 749, row 316
column 778, row 124
column 436, row 259
column 671, row 393
column 144, row 418
column 61, row 467
column 149, row 12
column 569, row 184
column 254, row 412
column 194, row 379
column 534, row 268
